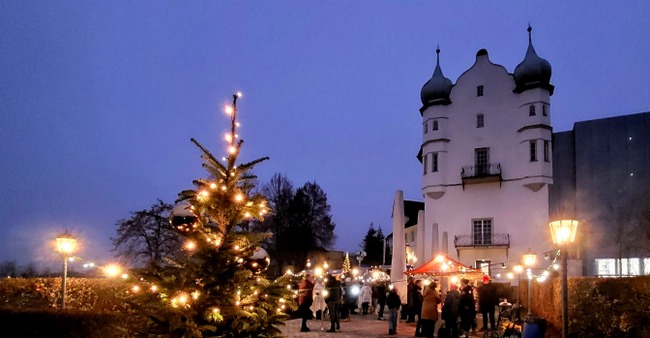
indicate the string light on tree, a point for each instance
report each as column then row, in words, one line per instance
column 216, row 285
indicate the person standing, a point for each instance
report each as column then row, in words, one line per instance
column 318, row 305
column 430, row 301
column 305, row 299
column 487, row 301
column 365, row 297
column 408, row 309
column 393, row 302
column 333, row 300
column 450, row 311
column 466, row 308
column 381, row 299
column 417, row 306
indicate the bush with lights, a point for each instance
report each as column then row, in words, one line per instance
column 217, row 288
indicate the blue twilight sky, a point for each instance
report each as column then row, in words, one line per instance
column 98, row 99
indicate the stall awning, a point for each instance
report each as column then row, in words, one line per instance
column 443, row 266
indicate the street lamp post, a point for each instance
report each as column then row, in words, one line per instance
column 564, row 232
column 65, row 245
column 518, row 269
column 529, row 261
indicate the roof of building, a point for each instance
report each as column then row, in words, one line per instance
column 533, row 71
column 437, row 89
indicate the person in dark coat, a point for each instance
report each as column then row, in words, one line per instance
column 381, row 299
column 450, row 310
column 417, row 306
column 393, row 302
column 487, row 301
column 333, row 300
column 305, row 298
column 408, row 309
column 466, row 308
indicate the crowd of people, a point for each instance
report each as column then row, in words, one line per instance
column 424, row 306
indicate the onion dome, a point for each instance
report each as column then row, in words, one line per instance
column 437, row 89
column 533, row 72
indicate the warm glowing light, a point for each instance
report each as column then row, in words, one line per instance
column 247, row 214
column 232, row 149
column 541, row 278
column 556, row 266
column 223, row 187
column 510, row 275
column 190, row 245
column 228, row 137
column 318, row 271
column 154, row 288
column 204, row 193
column 288, row 287
column 440, row 258
column 444, row 267
column 112, row 270
column 454, row 279
column 518, row 268
column 326, row 266
column 238, row 94
column 427, row 282
column 375, row 274
column 125, row 276
column 563, row 231
column 237, row 303
column 135, row 288
column 530, row 258
column 213, row 185
column 196, row 294
column 237, row 124
column 182, row 299
column 289, row 272
column 355, row 271
column 229, row 110
column 236, row 247
column 66, row 244
column 308, row 263
column 239, row 198
column 215, row 310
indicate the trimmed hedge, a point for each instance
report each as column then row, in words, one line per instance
column 598, row 307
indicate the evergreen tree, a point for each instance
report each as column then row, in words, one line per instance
column 217, row 287
column 373, row 245
column 346, row 269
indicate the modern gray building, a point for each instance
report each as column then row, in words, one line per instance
column 601, row 177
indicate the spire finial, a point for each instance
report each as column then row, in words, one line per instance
column 530, row 29
column 438, row 54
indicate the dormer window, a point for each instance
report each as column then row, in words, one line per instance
column 435, row 125
column 480, row 121
column 479, row 90
column 531, row 110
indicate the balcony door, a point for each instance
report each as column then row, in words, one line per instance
column 482, row 231
column 482, row 161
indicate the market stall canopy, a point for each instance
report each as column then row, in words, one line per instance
column 443, row 266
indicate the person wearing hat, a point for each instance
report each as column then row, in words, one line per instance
column 487, row 302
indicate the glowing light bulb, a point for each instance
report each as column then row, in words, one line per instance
column 213, row 185
column 238, row 94
column 232, row 150
column 125, row 276
column 190, row 245
column 135, row 288
column 154, row 288
column 228, row 137
column 239, row 197
column 215, row 310
column 247, row 215
column 182, row 299
column 228, row 110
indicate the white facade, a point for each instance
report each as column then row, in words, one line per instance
column 486, row 157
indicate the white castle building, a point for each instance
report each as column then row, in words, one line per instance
column 486, row 165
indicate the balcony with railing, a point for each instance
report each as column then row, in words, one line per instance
column 483, row 173
column 473, row 241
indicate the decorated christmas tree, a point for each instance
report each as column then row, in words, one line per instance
column 346, row 269
column 216, row 287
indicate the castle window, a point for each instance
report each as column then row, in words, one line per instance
column 479, row 90
column 482, row 161
column 424, row 164
column 533, row 150
column 480, row 121
column 426, row 127
column 435, row 125
column 531, row 110
column 544, row 110
column 482, row 231
column 547, row 146
column 434, row 162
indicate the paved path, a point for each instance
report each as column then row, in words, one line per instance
column 359, row 326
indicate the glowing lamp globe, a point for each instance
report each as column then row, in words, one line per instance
column 66, row 244
column 563, row 231
column 530, row 258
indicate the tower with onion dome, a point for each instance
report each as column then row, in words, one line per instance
column 486, row 161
